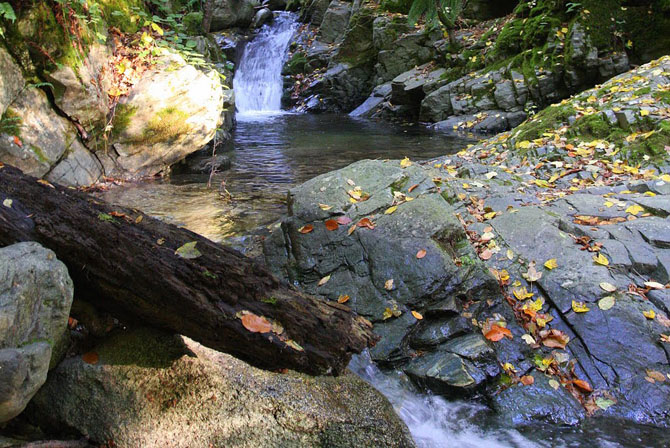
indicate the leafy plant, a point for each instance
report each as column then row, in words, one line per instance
column 6, row 13
column 447, row 12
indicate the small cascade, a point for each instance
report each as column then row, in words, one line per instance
column 258, row 81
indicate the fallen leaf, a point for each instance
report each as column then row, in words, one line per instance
column 365, row 222
column 411, row 189
column 343, row 220
column 654, row 285
column 391, row 210
column 601, row 259
column 651, row 314
column 496, row 333
column 634, row 209
column 486, row 254
column 324, row 280
column 510, row 254
column 656, row 375
column 188, row 251
column 607, row 287
column 554, row 384
column 325, row 207
column 45, row 182
column 331, row 225
column 417, row 315
column 90, row 358
column 554, row 338
column 139, row 219
column 351, row 229
column 527, row 380
column 351, row 182
column 528, row 339
column 532, row 275
column 421, row 253
column 306, row 229
column 551, row 264
column 606, row 303
column 580, row 307
column 7, row 203
column 583, row 386
column 405, row 162
column 256, row 324
column 160, row 241
column 604, row 403
column 294, row 345
column 388, row 284
column 343, row 298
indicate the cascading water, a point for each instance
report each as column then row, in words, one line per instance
column 258, row 81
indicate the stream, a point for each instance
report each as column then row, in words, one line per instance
column 272, row 151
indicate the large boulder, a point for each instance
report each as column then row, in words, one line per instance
column 11, row 80
column 232, row 13
column 335, row 22
column 174, row 110
column 148, row 387
column 35, row 299
column 40, row 142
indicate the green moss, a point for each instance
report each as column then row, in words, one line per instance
column 122, row 116
column 166, row 126
column 594, row 126
column 193, row 22
column 10, row 123
column 106, row 218
column 549, row 119
column 663, row 97
column 39, row 154
column 121, row 14
column 296, row 65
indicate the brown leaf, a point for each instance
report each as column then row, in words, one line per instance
column 331, row 225
column 351, row 229
column 554, row 338
column 306, row 229
column 417, row 315
column 656, row 375
column 411, row 189
column 365, row 222
column 18, row 142
column 583, row 386
column 90, row 358
column 421, row 253
column 527, row 380
column 343, row 220
column 256, row 324
column 486, row 254
column 343, row 298
column 496, row 333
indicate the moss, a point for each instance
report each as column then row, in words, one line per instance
column 39, row 154
column 106, row 218
column 10, row 123
column 549, row 119
column 122, row 116
column 166, row 126
column 122, row 14
column 193, row 22
column 296, row 65
column 594, row 126
column 663, row 97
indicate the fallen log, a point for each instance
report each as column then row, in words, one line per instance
column 141, row 269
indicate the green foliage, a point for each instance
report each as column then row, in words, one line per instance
column 446, row 11
column 193, row 22
column 7, row 12
column 10, row 123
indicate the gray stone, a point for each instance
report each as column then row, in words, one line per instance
column 408, row 88
column 505, row 95
column 77, row 168
column 149, row 386
column 35, row 298
column 262, row 17
column 436, row 106
column 445, row 373
column 231, row 13
column 11, row 80
column 335, row 22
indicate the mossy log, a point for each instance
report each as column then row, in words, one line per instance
column 127, row 264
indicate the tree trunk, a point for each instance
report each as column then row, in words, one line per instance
column 207, row 12
column 127, row 264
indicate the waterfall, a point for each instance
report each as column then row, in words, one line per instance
column 258, row 82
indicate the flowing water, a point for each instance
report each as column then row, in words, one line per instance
column 273, row 151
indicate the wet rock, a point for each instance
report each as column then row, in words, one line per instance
column 78, row 167
column 335, row 21
column 149, row 386
column 408, row 51
column 315, row 11
column 11, row 80
column 445, row 373
column 231, row 13
column 262, row 17
column 35, row 299
column 484, row 10
column 410, row 88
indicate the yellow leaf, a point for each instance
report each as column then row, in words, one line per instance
column 391, row 210
column 325, row 207
column 644, row 112
column 490, row 215
column 388, row 284
column 157, row 28
column 510, row 254
column 607, row 287
column 417, row 315
column 606, row 303
column 634, row 209
column 579, row 307
column 601, row 259
column 324, row 280
column 523, row 145
column 551, row 264
column 405, row 162
column 651, row 314
column 522, row 293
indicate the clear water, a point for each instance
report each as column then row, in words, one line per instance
column 258, row 82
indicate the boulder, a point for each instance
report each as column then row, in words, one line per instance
column 40, row 141
column 148, row 387
column 335, row 21
column 11, row 80
column 262, row 17
column 232, row 13
column 35, row 298
column 315, row 11
column 486, row 9
column 406, row 52
column 410, row 88
column 174, row 110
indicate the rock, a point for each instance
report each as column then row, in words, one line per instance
column 335, row 21
column 485, row 10
column 11, row 80
column 505, row 95
column 315, row 12
column 539, row 402
column 232, row 13
column 35, row 299
column 436, row 106
column 174, row 110
column 262, row 17
column 406, row 52
column 78, row 168
column 148, row 386
column 386, row 30
column 81, row 93
column 44, row 140
column 276, row 5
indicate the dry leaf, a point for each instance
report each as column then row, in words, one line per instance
column 607, row 287
column 421, row 253
column 527, row 380
column 417, row 315
column 601, row 259
column 256, row 324
column 343, row 220
column 606, row 303
column 343, row 298
column 486, row 254
column 324, row 280
column 654, row 285
column 651, row 314
column 391, row 210
column 365, row 222
column 388, row 284
column 90, row 358
column 331, row 225
column 496, row 333
column 554, row 338
column 306, row 229
column 579, row 307
column 582, row 385
column 325, row 207
column 551, row 264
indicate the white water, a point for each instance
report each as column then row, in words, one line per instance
column 433, row 421
column 258, row 82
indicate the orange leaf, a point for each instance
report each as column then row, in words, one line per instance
column 306, row 229
column 486, row 254
column 351, row 229
column 417, row 315
column 365, row 222
column 90, row 358
column 331, row 225
column 527, row 380
column 420, row 254
column 18, row 142
column 343, row 299
column 343, row 220
column 256, row 324
column 496, row 333
column 554, row 339
column 583, row 386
